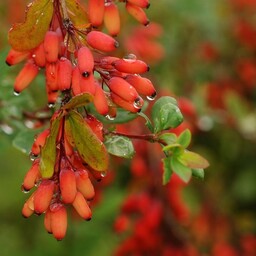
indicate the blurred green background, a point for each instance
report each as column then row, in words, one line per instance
column 205, row 49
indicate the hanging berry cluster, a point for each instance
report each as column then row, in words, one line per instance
column 64, row 40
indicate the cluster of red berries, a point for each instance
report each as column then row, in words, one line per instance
column 75, row 63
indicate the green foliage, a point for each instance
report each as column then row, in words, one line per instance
column 119, row 146
column 28, row 35
column 78, row 101
column 48, row 151
column 166, row 114
column 89, row 147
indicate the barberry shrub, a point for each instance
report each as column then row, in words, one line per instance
column 89, row 89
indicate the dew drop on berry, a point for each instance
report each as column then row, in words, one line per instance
column 33, row 157
column 23, row 189
column 51, row 105
column 103, row 174
column 16, row 93
column 138, row 103
column 130, row 56
column 152, row 97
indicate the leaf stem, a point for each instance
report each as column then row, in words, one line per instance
column 148, row 137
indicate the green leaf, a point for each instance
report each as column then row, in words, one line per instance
column 168, row 138
column 193, row 160
column 28, row 35
column 48, row 151
column 167, row 170
column 185, row 138
column 77, row 14
column 119, row 146
column 166, row 114
column 24, row 140
column 171, row 147
column 78, row 101
column 180, row 169
column 198, row 173
column 89, row 147
column 148, row 122
column 122, row 116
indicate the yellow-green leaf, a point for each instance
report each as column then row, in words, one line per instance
column 48, row 151
column 28, row 35
column 89, row 147
column 78, row 101
column 193, row 160
column 77, row 14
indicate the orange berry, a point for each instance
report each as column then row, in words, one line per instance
column 131, row 66
column 96, row 12
column 100, row 100
column 59, row 221
column 128, row 105
column 140, row 3
column 64, row 74
column 47, row 221
column 76, row 76
column 112, row 18
column 43, row 196
column 39, row 56
column 87, row 84
column 51, row 46
column 39, row 142
column 137, row 13
column 27, row 74
column 82, row 207
column 14, row 57
column 84, row 184
column 123, row 89
column 143, row 85
column 67, row 185
column 51, row 76
column 31, row 176
column 101, row 41
column 85, row 61
column 26, row 210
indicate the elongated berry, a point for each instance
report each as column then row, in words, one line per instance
column 51, row 76
column 140, row 3
column 87, row 84
column 100, row 100
column 47, row 221
column 84, row 184
column 14, row 57
column 43, row 196
column 85, row 61
column 67, row 185
column 27, row 74
column 52, row 96
column 39, row 56
column 101, row 41
column 128, row 105
column 82, row 207
column 51, row 46
column 137, row 13
column 39, row 142
column 31, row 176
column 131, row 66
column 64, row 73
column 96, row 12
column 76, row 76
column 143, row 85
column 26, row 210
column 59, row 221
column 123, row 89
column 106, row 62
column 112, row 18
